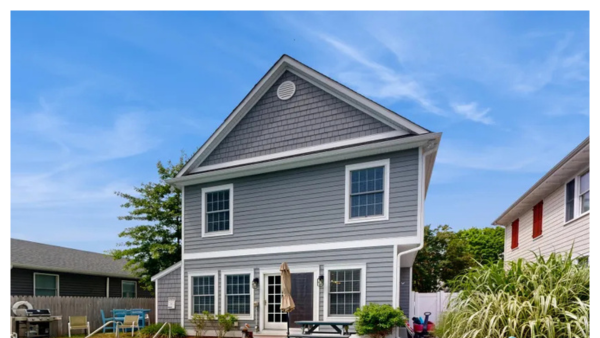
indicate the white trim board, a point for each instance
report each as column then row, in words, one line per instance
column 312, row 76
column 201, row 273
column 304, row 247
column 225, row 273
column 166, row 271
column 293, row 162
column 363, row 287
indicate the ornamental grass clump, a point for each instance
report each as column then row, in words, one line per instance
column 547, row 297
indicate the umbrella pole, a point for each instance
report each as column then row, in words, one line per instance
column 288, row 324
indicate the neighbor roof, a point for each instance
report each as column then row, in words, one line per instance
column 568, row 167
column 32, row 255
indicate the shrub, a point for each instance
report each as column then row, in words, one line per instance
column 177, row 331
column 547, row 297
column 378, row 320
column 226, row 322
column 200, row 321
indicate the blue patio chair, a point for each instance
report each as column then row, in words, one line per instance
column 105, row 320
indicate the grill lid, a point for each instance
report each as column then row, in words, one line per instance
column 38, row 312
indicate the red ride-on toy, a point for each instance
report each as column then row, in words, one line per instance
column 419, row 329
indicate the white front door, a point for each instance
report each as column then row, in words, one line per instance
column 274, row 318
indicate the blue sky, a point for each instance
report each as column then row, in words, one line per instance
column 98, row 98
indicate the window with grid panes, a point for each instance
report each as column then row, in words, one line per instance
column 238, row 294
column 344, row 292
column 366, row 194
column 217, row 211
column 203, row 293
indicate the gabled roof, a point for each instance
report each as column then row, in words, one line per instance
column 565, row 170
column 32, row 255
column 287, row 63
column 166, row 271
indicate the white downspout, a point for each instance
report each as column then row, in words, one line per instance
column 420, row 220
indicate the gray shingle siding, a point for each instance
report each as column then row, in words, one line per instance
column 311, row 117
column 379, row 262
column 283, row 207
column 169, row 286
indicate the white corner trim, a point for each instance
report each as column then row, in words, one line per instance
column 166, row 271
column 231, row 202
column 224, row 274
column 366, row 243
column 156, row 302
column 300, row 151
column 200, row 273
column 107, row 287
column 47, row 274
column 386, row 191
column 395, row 282
column 363, row 287
column 181, row 287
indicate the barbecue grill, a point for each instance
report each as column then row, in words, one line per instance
column 33, row 323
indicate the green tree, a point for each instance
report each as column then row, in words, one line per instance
column 447, row 254
column 156, row 243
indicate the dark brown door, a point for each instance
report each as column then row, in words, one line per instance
column 302, row 293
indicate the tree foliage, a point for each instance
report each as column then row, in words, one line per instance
column 155, row 244
column 447, row 254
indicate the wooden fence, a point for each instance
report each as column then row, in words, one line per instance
column 83, row 306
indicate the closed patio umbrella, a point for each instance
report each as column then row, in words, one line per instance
column 287, row 302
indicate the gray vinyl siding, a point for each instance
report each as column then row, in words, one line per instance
column 304, row 205
column 405, row 290
column 169, row 286
column 379, row 262
column 311, row 117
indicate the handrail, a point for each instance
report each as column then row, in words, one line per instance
column 101, row 327
column 162, row 327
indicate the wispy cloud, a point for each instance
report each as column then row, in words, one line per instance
column 471, row 111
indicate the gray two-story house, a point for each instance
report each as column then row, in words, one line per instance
column 304, row 171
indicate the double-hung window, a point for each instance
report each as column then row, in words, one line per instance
column 128, row 289
column 45, row 284
column 345, row 288
column 217, row 217
column 238, row 296
column 367, row 191
column 577, row 196
column 203, row 292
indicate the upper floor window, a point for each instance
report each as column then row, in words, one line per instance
column 45, row 284
column 367, row 191
column 217, row 218
column 538, row 218
column 128, row 289
column 577, row 196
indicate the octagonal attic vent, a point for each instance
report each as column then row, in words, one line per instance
column 286, row 90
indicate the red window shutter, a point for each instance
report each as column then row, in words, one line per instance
column 515, row 234
column 538, row 216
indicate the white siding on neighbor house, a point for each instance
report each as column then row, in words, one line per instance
column 557, row 236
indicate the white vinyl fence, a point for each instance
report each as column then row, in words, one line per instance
column 435, row 303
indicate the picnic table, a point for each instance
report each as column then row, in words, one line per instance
column 341, row 328
column 119, row 315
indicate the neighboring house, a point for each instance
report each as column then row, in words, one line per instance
column 308, row 172
column 46, row 270
column 554, row 214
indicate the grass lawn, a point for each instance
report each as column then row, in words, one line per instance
column 101, row 335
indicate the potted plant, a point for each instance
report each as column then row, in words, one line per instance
column 378, row 320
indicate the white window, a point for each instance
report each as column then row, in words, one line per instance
column 217, row 215
column 128, row 289
column 367, row 191
column 202, row 292
column 45, row 284
column 345, row 290
column 238, row 297
column 577, row 196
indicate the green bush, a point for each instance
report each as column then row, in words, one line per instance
column 177, row 331
column 378, row 320
column 547, row 297
column 226, row 322
column 200, row 321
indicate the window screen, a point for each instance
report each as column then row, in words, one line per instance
column 366, row 196
column 203, row 292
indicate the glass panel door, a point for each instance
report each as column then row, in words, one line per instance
column 274, row 318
